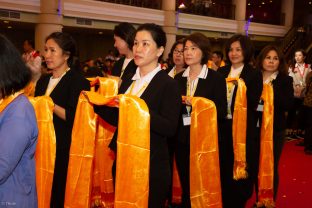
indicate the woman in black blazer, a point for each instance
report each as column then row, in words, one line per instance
column 177, row 58
column 272, row 64
column 197, row 80
column 64, row 87
column 239, row 52
column 162, row 96
column 124, row 36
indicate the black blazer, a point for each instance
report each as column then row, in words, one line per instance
column 283, row 100
column 254, row 83
column 66, row 95
column 163, row 99
column 212, row 88
column 129, row 70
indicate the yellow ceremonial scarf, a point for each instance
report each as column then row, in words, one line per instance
column 205, row 185
column 103, row 185
column 133, row 153
column 266, row 160
column 45, row 150
column 239, row 129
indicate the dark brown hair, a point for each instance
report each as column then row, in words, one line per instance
column 203, row 44
column 282, row 68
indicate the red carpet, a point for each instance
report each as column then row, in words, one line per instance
column 295, row 186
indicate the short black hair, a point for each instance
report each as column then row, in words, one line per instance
column 14, row 74
column 125, row 31
column 67, row 44
column 157, row 33
column 203, row 44
column 246, row 44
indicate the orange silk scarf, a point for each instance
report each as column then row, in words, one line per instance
column 239, row 129
column 103, row 185
column 133, row 155
column 45, row 150
column 266, row 161
column 205, row 185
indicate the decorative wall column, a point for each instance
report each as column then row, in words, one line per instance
column 288, row 11
column 240, row 15
column 169, row 24
column 50, row 20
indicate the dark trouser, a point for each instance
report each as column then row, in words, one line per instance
column 182, row 155
column 296, row 116
column 234, row 193
column 159, row 183
column 308, row 129
column 59, row 178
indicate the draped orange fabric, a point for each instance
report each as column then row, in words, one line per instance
column 105, row 83
column 133, row 152
column 239, row 129
column 266, row 161
column 102, row 185
column 205, row 185
column 45, row 150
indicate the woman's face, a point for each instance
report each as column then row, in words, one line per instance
column 192, row 54
column 145, row 50
column 121, row 45
column 235, row 54
column 178, row 58
column 54, row 56
column 271, row 61
column 299, row 57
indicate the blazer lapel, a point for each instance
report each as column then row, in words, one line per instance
column 125, row 85
column 152, row 86
column 244, row 73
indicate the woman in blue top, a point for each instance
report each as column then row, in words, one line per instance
column 18, row 132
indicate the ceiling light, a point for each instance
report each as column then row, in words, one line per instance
column 9, row 27
column 263, row 2
column 6, row 21
column 181, row 6
column 100, row 32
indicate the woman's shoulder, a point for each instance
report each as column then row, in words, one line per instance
column 164, row 79
column 76, row 76
column 20, row 106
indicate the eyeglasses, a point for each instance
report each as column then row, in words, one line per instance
column 178, row 52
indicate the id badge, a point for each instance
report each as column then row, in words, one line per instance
column 260, row 108
column 186, row 119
